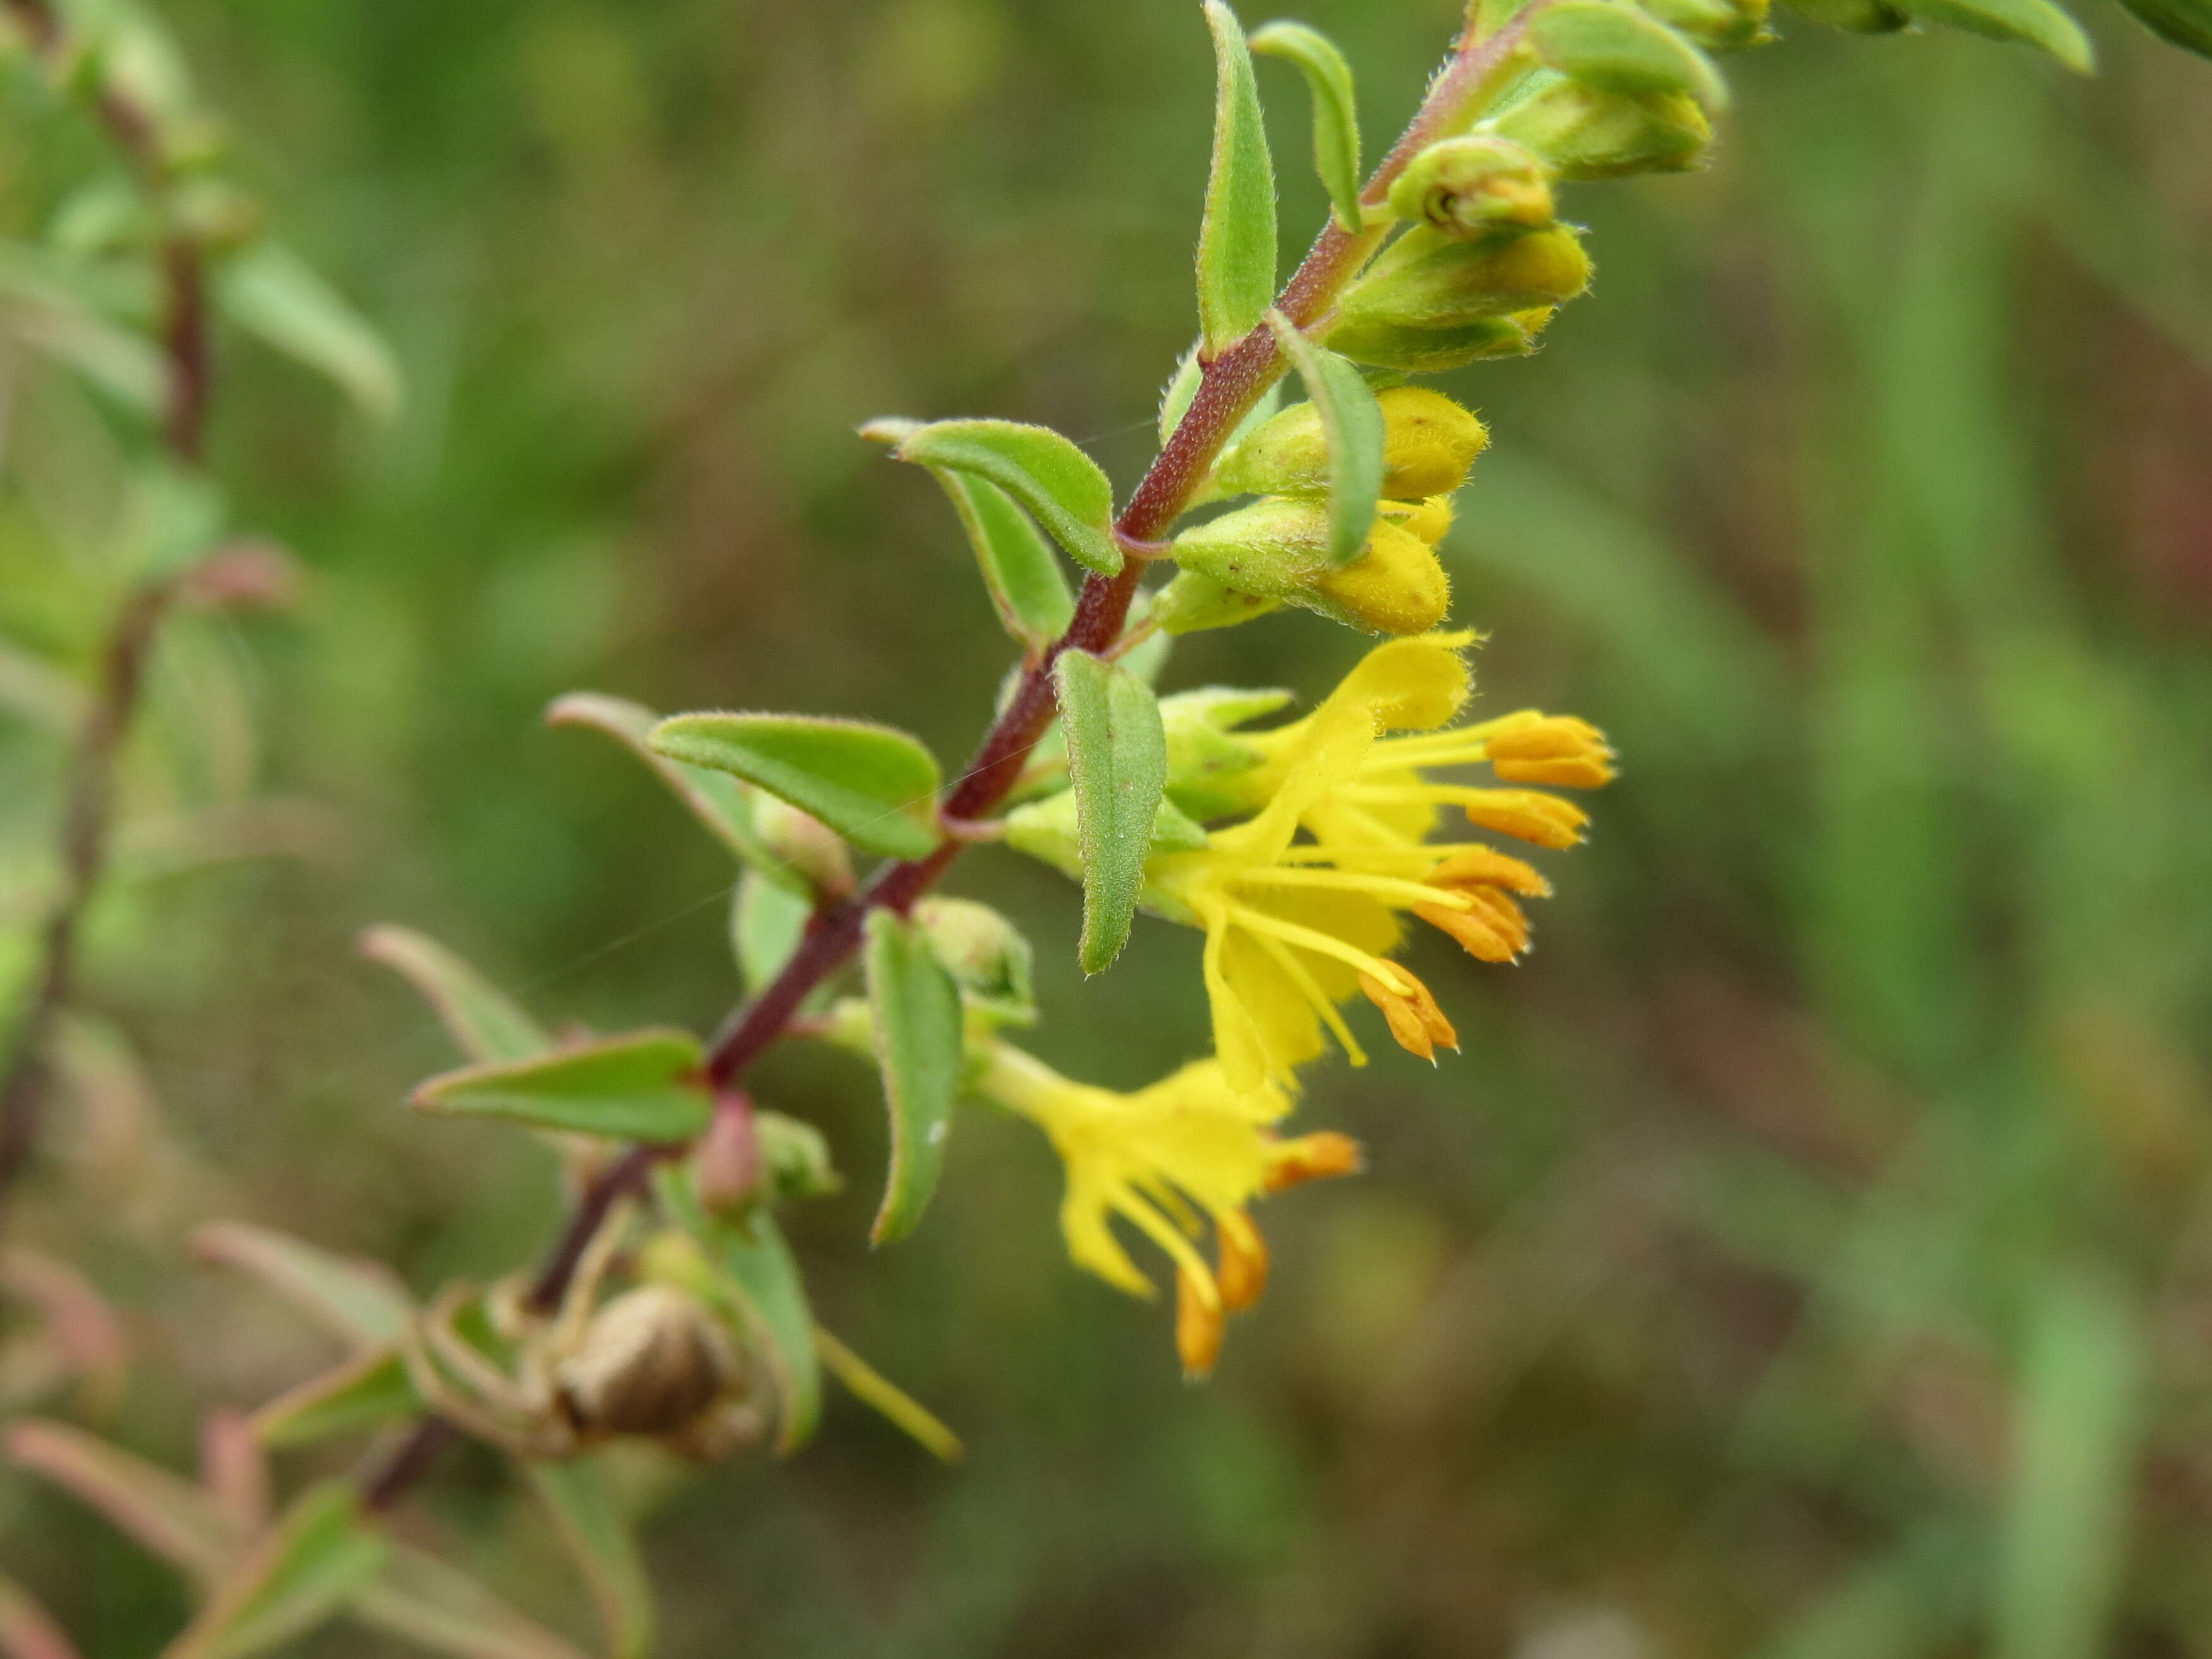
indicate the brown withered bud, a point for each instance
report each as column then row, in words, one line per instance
column 652, row 1362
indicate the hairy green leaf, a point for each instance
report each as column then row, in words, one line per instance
column 918, row 1033
column 483, row 1019
column 644, row 1086
column 1614, row 47
column 593, row 1523
column 1062, row 487
column 168, row 1516
column 872, row 784
column 1351, row 424
column 1237, row 239
column 1335, row 111
column 2037, row 23
column 356, row 1300
column 718, row 800
column 321, row 1551
column 366, row 1392
column 421, row 1600
column 1117, row 759
column 274, row 295
column 1019, row 571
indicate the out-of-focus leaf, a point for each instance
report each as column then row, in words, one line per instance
column 644, row 1086
column 1237, row 239
column 365, row 1392
column 1335, row 110
column 357, row 1301
column 754, row 1269
column 486, row 1023
column 44, row 314
column 36, row 690
column 1352, row 422
column 918, row 1036
column 274, row 295
column 421, row 1600
column 1614, row 47
column 83, row 1327
column 27, row 1630
column 767, row 921
column 169, row 1516
column 1019, row 571
column 601, row 1538
column 1117, row 756
column 2037, row 23
column 718, row 800
column 872, row 784
column 871, row 1387
column 1062, row 487
column 321, row 1552
column 2186, row 24
column 2075, row 1439
column 234, row 1468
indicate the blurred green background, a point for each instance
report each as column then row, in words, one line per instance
column 1810, row 1256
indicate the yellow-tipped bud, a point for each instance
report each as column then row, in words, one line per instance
column 1587, row 134
column 1717, row 25
column 1428, row 520
column 1427, row 280
column 1275, row 550
column 1469, row 186
column 1428, row 443
column 1396, row 586
column 1432, row 350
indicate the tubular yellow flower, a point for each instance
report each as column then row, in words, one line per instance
column 1302, row 904
column 1164, row 1159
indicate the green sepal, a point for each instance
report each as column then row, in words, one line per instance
column 1194, row 603
column 1237, row 239
column 920, row 1049
column 1019, row 571
column 2031, row 22
column 602, row 1541
column 1614, row 47
column 1335, row 111
column 322, row 1551
column 646, row 1086
column 872, row 784
column 1059, row 485
column 1204, row 754
column 985, row 954
column 366, row 1393
column 1117, row 762
column 485, row 1023
column 1351, row 424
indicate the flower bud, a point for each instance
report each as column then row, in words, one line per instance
column 1426, row 521
column 1396, row 586
column 1427, row 280
column 795, row 1157
column 1586, row 134
column 726, row 1161
column 984, row 952
column 1431, row 350
column 808, row 846
column 1470, row 187
column 1275, row 550
column 1717, row 25
column 1428, row 443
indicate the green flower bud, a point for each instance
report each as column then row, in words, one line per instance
column 1469, row 186
column 809, row 847
column 1276, row 549
column 795, row 1157
column 984, row 953
column 1717, row 25
column 1425, row 280
column 1431, row 350
column 1586, row 134
column 1428, row 443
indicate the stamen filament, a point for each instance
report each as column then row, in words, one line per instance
column 1304, row 981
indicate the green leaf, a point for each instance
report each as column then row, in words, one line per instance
column 874, row 785
column 483, row 1019
column 27, row 1631
column 1611, row 47
column 166, row 1516
column 1236, row 239
column 1351, row 424
column 1335, row 111
column 2031, row 22
column 766, row 1299
column 2186, row 24
column 1117, row 759
column 1062, row 487
column 322, row 1551
column 366, row 1392
column 1018, row 567
column 919, row 1046
column 44, row 314
column 644, row 1085
column 871, row 1387
column 767, row 921
column 271, row 292
column 718, row 800
column 593, row 1525
column 1177, row 395
column 356, row 1300
column 421, row 1600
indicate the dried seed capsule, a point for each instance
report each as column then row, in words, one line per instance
column 1428, row 443
column 1587, row 134
column 1469, row 186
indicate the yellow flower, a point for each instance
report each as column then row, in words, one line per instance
column 1164, row 1159
column 1302, row 904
